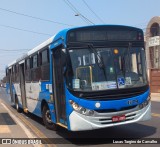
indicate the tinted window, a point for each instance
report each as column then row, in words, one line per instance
column 44, row 57
column 35, row 63
column 13, row 69
column 17, row 68
column 28, row 64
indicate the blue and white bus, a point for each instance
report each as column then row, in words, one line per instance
column 84, row 78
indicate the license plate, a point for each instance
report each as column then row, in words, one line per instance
column 118, row 118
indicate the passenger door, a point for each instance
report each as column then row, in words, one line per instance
column 22, row 86
column 58, row 84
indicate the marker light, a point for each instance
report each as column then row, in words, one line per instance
column 116, row 51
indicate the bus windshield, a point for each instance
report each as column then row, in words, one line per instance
column 95, row 69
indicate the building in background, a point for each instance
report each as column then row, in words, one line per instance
column 152, row 36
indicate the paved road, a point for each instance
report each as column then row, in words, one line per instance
column 12, row 129
column 147, row 130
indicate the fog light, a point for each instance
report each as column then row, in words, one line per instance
column 83, row 110
column 90, row 112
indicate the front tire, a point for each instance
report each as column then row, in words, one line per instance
column 47, row 119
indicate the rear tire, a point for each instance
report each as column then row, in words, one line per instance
column 17, row 105
column 47, row 119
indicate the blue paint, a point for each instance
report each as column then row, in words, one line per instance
column 43, row 95
column 107, row 104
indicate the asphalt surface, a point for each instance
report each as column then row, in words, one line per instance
column 148, row 130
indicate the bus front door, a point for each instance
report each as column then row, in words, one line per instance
column 58, row 87
column 22, row 87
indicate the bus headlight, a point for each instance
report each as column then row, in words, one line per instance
column 81, row 109
column 145, row 103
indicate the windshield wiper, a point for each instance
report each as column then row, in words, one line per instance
column 127, row 53
column 99, row 60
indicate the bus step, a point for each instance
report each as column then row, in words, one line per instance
column 25, row 110
column 62, row 125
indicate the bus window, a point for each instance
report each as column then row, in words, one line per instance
column 28, row 64
column 35, row 61
column 45, row 57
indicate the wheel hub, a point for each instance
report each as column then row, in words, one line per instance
column 48, row 116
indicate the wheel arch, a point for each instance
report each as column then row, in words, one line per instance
column 43, row 103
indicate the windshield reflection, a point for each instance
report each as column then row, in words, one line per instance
column 107, row 68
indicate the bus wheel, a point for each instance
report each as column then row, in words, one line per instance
column 17, row 105
column 47, row 119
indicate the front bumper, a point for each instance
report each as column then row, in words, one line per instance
column 79, row 122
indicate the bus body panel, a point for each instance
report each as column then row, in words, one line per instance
column 35, row 93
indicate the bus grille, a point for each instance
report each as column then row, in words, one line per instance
column 104, row 118
column 109, row 121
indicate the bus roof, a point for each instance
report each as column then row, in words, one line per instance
column 42, row 45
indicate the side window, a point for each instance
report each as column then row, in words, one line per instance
column 13, row 67
column 35, row 61
column 28, row 64
column 28, row 67
column 13, row 74
column 31, row 62
column 17, row 68
column 45, row 57
column 44, row 62
column 15, row 71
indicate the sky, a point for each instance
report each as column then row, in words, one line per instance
column 24, row 24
